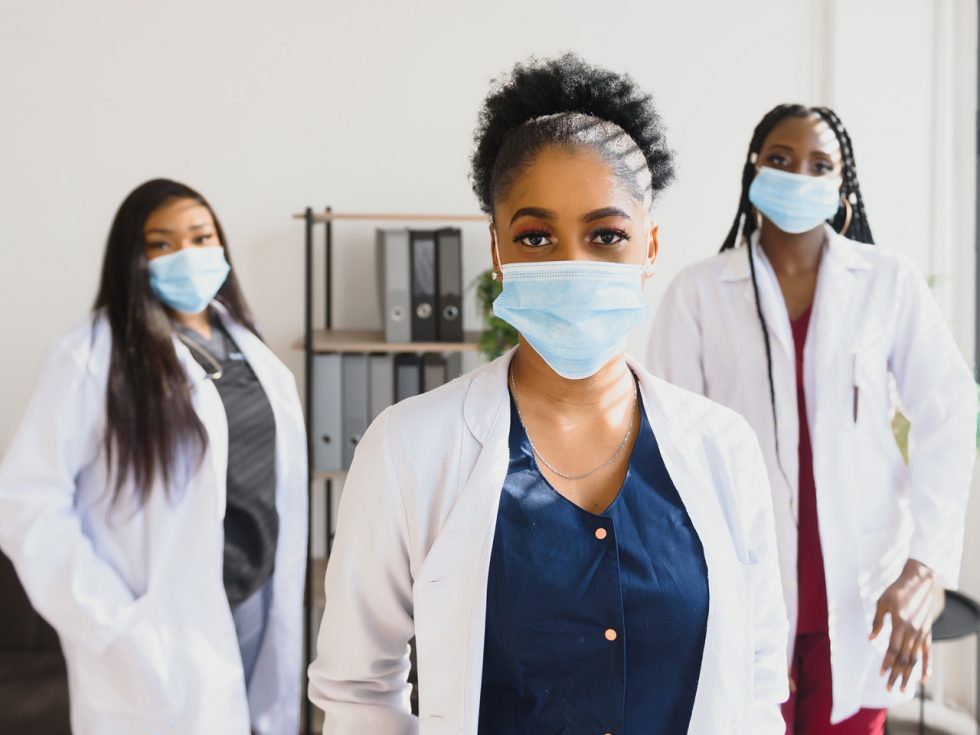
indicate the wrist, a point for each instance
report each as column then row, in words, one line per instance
column 916, row 569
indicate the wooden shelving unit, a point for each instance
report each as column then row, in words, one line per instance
column 326, row 339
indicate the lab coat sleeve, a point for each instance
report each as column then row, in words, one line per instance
column 770, row 625
column 78, row 592
column 359, row 677
column 939, row 397
column 674, row 349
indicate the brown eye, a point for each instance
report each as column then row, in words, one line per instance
column 609, row 237
column 534, row 239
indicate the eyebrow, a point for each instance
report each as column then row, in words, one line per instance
column 533, row 212
column 815, row 151
column 605, row 212
column 164, row 231
column 589, row 217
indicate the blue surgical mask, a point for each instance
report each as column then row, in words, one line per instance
column 576, row 314
column 188, row 280
column 794, row 202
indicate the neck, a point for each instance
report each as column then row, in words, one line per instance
column 200, row 322
column 535, row 379
column 789, row 253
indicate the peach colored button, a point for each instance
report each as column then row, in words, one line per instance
column 600, row 533
column 611, row 634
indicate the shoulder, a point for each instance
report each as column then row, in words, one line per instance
column 86, row 348
column 883, row 264
column 709, row 269
column 693, row 282
column 422, row 422
column 717, row 426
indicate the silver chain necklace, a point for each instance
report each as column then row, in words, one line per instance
column 546, row 463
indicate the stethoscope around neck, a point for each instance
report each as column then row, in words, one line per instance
column 216, row 372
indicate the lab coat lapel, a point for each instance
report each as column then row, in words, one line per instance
column 771, row 300
column 678, row 439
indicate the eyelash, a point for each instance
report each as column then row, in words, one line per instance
column 199, row 240
column 621, row 234
column 778, row 160
column 532, row 233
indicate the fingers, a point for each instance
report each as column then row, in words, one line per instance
column 926, row 648
column 879, row 621
column 906, row 642
column 894, row 648
column 909, row 658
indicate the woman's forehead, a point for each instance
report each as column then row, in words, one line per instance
column 804, row 135
column 178, row 214
column 568, row 181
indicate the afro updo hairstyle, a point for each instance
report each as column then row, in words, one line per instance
column 568, row 102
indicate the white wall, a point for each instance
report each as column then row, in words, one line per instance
column 269, row 107
column 365, row 106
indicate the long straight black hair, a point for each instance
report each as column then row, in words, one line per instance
column 854, row 224
column 149, row 415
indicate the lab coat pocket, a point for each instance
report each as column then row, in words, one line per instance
column 136, row 675
column 869, row 381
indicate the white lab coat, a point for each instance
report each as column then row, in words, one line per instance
column 135, row 592
column 412, row 553
column 873, row 316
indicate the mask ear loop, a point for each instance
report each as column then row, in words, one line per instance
column 494, row 274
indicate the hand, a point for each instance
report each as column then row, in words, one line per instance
column 909, row 601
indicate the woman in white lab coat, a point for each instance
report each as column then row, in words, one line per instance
column 799, row 324
column 153, row 498
column 550, row 527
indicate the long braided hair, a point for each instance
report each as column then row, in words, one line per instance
column 854, row 223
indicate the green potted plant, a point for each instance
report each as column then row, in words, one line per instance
column 497, row 336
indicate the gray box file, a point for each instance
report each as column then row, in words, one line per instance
column 381, row 384
column 326, row 413
column 395, row 284
column 433, row 371
column 355, row 421
column 449, row 261
column 425, row 324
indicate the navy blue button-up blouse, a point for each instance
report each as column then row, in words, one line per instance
column 595, row 623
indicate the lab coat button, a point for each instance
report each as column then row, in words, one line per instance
column 611, row 634
column 600, row 533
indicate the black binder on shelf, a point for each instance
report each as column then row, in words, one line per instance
column 395, row 284
column 433, row 370
column 381, row 384
column 449, row 259
column 325, row 414
column 424, row 322
column 408, row 376
column 355, row 386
